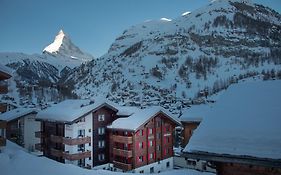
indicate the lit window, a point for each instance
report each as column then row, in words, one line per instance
column 151, row 143
column 101, row 143
column 101, row 131
column 101, row 117
column 150, row 131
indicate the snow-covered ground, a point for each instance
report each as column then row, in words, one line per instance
column 14, row 160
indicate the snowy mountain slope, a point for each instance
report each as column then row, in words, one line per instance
column 42, row 73
column 169, row 62
column 63, row 47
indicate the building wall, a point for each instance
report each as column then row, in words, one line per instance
column 15, row 131
column 189, row 128
column 243, row 169
column 72, row 131
column 109, row 117
column 30, row 127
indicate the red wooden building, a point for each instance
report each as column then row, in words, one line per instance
column 143, row 142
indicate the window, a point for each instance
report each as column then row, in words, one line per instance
column 158, row 135
column 158, row 123
column 101, row 143
column 142, row 171
column 168, row 164
column 152, row 170
column 90, row 158
column 101, row 157
column 150, row 131
column 81, row 162
column 101, row 117
column 141, row 133
column 151, row 156
column 168, row 139
column 90, row 144
column 140, row 145
column 101, row 131
column 158, row 148
column 81, row 147
column 166, row 151
column 81, row 133
column 89, row 130
column 168, row 128
column 150, row 143
column 140, row 158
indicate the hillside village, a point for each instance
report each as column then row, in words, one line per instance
column 169, row 97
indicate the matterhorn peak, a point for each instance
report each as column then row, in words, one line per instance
column 63, row 46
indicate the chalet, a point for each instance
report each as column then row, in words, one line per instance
column 5, row 74
column 20, row 127
column 191, row 119
column 143, row 142
column 242, row 134
column 74, row 131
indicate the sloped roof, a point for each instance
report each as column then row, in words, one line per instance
column 245, row 121
column 16, row 113
column 70, row 110
column 195, row 113
column 134, row 121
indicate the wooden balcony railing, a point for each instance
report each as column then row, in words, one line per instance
column 3, row 89
column 3, row 124
column 122, row 166
column 71, row 157
column 122, row 139
column 70, row 141
column 2, row 141
column 38, row 147
column 39, row 134
column 123, row 153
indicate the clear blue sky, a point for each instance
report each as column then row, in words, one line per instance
column 29, row 25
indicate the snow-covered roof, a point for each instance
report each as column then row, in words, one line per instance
column 195, row 113
column 70, row 110
column 134, row 121
column 5, row 70
column 16, row 113
column 245, row 121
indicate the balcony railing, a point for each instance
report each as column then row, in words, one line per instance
column 70, row 141
column 122, row 166
column 38, row 147
column 123, row 153
column 122, row 139
column 3, row 124
column 2, row 141
column 39, row 134
column 3, row 89
column 71, row 157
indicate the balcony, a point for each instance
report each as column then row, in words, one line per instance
column 71, row 157
column 38, row 147
column 123, row 153
column 3, row 89
column 70, row 141
column 39, row 134
column 2, row 141
column 122, row 139
column 122, row 166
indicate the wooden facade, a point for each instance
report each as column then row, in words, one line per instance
column 188, row 128
column 151, row 142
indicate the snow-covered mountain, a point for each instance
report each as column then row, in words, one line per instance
column 40, row 71
column 171, row 62
column 63, row 47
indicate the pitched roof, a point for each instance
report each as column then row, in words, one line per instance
column 16, row 113
column 5, row 71
column 70, row 110
column 134, row 121
column 195, row 113
column 245, row 121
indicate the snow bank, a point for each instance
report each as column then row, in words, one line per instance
column 245, row 121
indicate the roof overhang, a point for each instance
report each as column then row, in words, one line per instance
column 227, row 158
